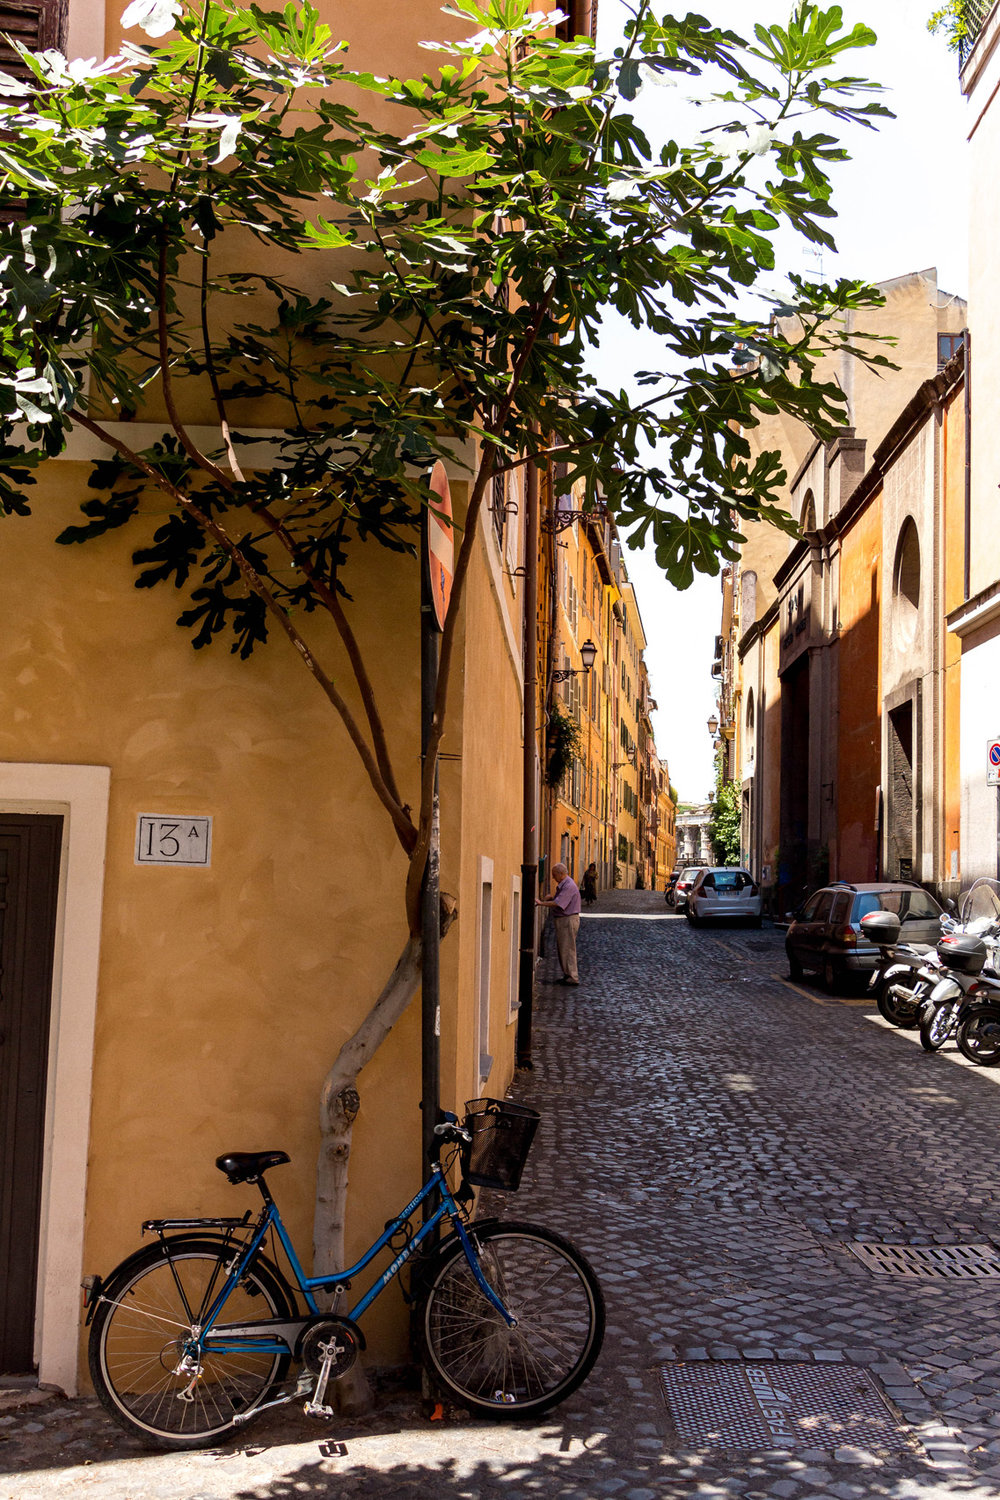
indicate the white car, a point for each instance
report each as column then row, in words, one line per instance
column 724, row 894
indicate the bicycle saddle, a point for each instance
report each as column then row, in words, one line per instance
column 247, row 1166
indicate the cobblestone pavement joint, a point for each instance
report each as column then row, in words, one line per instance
column 712, row 1140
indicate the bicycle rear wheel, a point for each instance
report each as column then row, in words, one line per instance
column 144, row 1323
column 556, row 1298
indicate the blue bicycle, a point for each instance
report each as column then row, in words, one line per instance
column 195, row 1334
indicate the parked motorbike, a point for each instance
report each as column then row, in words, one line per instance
column 961, row 1003
column 979, row 1034
column 906, row 972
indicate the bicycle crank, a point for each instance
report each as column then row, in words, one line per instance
column 328, row 1348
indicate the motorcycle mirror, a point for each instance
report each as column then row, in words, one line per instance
column 950, row 906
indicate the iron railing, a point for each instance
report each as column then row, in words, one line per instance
column 974, row 14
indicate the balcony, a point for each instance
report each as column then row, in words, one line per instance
column 974, row 14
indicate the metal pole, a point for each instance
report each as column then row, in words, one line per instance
column 529, row 847
column 430, row 920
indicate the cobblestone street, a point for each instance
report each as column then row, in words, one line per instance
column 714, row 1138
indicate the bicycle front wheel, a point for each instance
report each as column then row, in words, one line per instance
column 143, row 1359
column 556, row 1298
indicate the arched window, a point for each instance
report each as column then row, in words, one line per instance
column 808, row 521
column 906, row 585
column 749, row 737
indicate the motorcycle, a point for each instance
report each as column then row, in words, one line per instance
column 964, row 997
column 906, row 973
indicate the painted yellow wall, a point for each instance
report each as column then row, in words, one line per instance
column 225, row 993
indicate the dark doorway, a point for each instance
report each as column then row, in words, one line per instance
column 793, row 861
column 29, row 885
column 899, row 819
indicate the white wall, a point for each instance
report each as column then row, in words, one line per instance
column 980, row 722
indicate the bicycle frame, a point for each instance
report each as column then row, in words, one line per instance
column 229, row 1339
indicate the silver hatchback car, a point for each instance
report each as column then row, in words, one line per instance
column 724, row 894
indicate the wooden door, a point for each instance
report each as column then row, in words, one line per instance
column 29, row 884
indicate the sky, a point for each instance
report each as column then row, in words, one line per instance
column 902, row 206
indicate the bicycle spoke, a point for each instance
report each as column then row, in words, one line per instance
column 150, row 1359
column 542, row 1282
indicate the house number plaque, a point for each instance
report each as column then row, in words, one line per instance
column 173, row 840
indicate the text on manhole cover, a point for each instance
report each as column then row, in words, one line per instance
column 736, row 1407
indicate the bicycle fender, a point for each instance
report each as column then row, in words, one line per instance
column 107, row 1284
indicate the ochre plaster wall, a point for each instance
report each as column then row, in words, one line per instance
column 225, row 993
column 488, row 737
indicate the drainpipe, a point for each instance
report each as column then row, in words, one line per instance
column 430, row 913
column 529, row 837
column 967, row 402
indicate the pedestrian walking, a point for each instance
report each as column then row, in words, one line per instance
column 565, row 906
column 589, row 887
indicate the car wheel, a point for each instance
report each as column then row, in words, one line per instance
column 795, row 969
column 832, row 976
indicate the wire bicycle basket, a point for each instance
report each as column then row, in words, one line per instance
column 502, row 1133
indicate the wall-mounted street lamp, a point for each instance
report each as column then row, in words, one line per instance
column 713, row 725
column 588, row 655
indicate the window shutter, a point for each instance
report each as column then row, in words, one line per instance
column 36, row 24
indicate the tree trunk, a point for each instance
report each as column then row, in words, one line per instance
column 339, row 1105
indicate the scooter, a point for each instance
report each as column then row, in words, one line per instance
column 952, row 1002
column 906, row 973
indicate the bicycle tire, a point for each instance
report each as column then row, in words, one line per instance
column 509, row 1373
column 133, row 1353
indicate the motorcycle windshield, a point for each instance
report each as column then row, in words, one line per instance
column 981, row 903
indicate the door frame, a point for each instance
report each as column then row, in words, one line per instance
column 80, row 794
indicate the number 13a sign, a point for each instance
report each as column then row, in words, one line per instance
column 173, row 840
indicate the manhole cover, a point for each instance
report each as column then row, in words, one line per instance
column 738, row 1408
column 959, row 1262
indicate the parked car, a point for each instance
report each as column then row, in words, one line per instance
column 685, row 881
column 826, row 937
column 724, row 894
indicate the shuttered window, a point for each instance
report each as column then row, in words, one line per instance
column 36, row 24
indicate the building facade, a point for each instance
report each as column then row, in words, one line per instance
column 974, row 618
column 835, row 671
column 203, row 897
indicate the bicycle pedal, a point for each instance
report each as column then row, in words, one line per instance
column 314, row 1409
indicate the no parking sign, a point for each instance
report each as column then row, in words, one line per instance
column 993, row 762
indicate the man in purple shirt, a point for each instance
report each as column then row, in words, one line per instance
column 565, row 906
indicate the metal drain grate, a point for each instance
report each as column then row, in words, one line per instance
column 737, row 1408
column 954, row 1262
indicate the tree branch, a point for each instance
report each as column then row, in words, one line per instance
column 217, row 397
column 193, row 452
column 333, row 606
column 405, row 830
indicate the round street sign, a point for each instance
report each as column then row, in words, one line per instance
column 993, row 762
column 440, row 543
